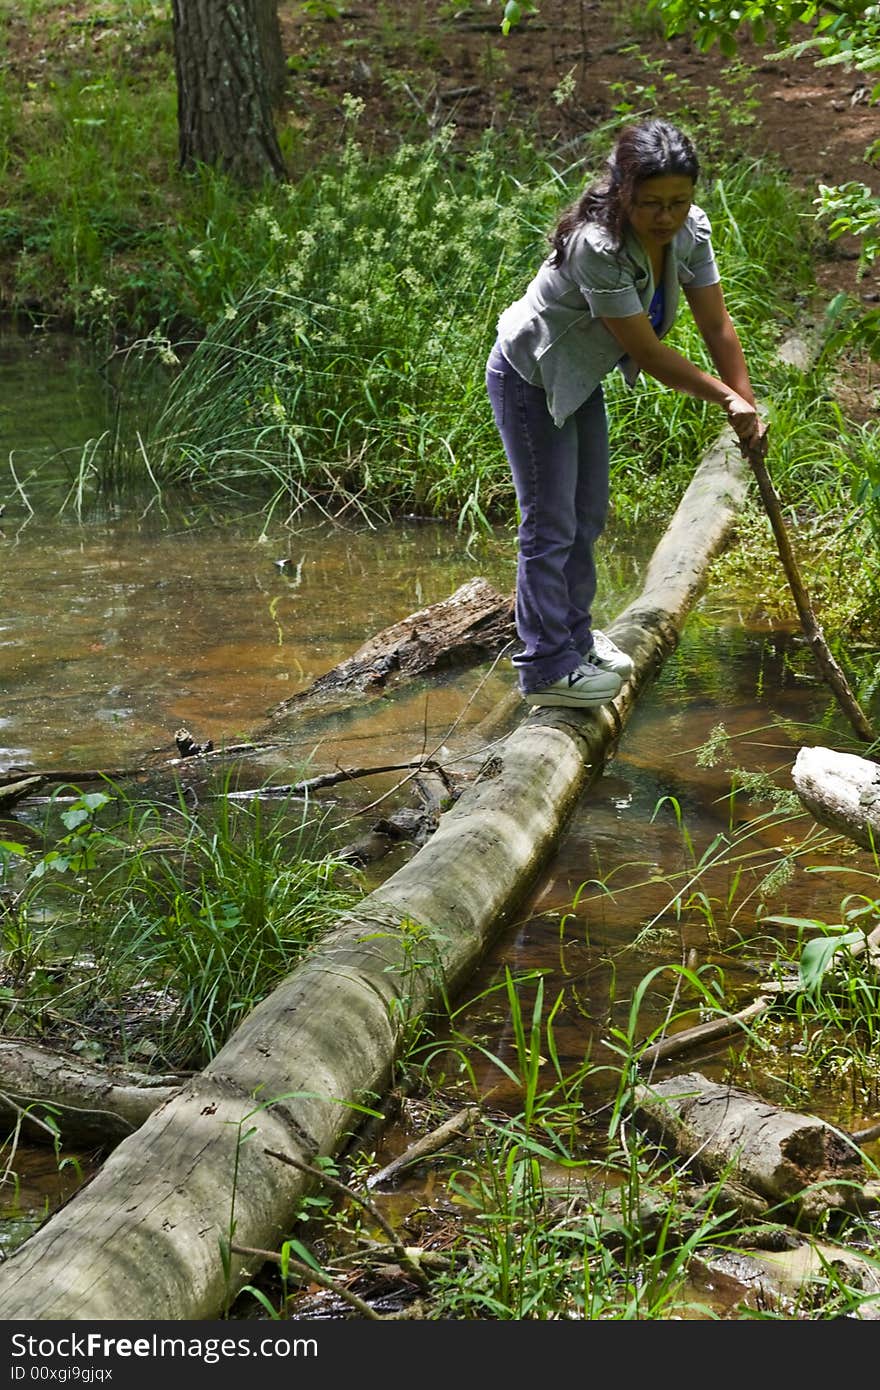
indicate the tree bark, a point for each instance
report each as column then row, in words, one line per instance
column 795, row 1160
column 143, row 1239
column 272, row 50
column 797, row 1274
column 842, row 791
column 223, row 106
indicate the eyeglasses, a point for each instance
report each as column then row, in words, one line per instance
column 660, row 205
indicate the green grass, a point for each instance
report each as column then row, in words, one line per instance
column 191, row 916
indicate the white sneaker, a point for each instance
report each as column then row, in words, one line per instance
column 585, row 686
column 609, row 657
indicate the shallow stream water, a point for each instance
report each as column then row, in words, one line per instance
column 116, row 632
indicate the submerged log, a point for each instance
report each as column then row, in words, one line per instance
column 842, row 791
column 474, row 624
column 144, row 1239
column 89, row 1104
column 797, row 1161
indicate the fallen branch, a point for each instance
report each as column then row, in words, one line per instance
column 714, row 1030
column 423, row 1148
column 89, row 1104
column 70, row 774
column 330, row 1181
column 342, row 774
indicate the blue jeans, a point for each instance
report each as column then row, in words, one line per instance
column 560, row 474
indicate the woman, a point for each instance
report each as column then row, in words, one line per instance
column 605, row 297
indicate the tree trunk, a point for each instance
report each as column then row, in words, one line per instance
column 224, row 111
column 271, row 49
column 143, row 1240
column 842, row 791
column 795, row 1160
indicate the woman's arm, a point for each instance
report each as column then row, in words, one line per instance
column 718, row 333
column 732, row 391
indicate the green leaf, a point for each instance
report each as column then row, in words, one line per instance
column 12, row 847
column 818, row 955
column 303, row 1253
column 512, row 15
column 261, row 1298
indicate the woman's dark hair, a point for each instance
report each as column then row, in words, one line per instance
column 640, row 152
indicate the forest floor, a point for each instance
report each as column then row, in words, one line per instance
column 417, row 60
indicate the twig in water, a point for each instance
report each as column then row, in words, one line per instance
column 429, row 1144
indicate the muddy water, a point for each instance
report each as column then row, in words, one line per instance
column 116, row 632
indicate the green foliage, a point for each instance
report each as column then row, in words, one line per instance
column 203, row 914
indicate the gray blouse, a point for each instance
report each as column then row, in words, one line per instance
column 554, row 335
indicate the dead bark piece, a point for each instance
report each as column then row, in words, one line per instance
column 842, row 791
column 17, row 791
column 90, row 1104
column 795, row 1160
column 142, row 1239
column 425, row 1147
column 474, row 624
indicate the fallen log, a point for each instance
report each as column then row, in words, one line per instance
column 144, row 1239
column 89, row 1104
column 11, row 792
column 798, row 1162
column 808, row 1274
column 842, row 791
column 474, row 624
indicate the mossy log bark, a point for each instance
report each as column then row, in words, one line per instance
column 143, row 1240
column 796, row 1161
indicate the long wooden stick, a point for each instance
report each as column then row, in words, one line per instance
column 812, row 631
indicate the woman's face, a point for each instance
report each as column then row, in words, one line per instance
column 659, row 208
